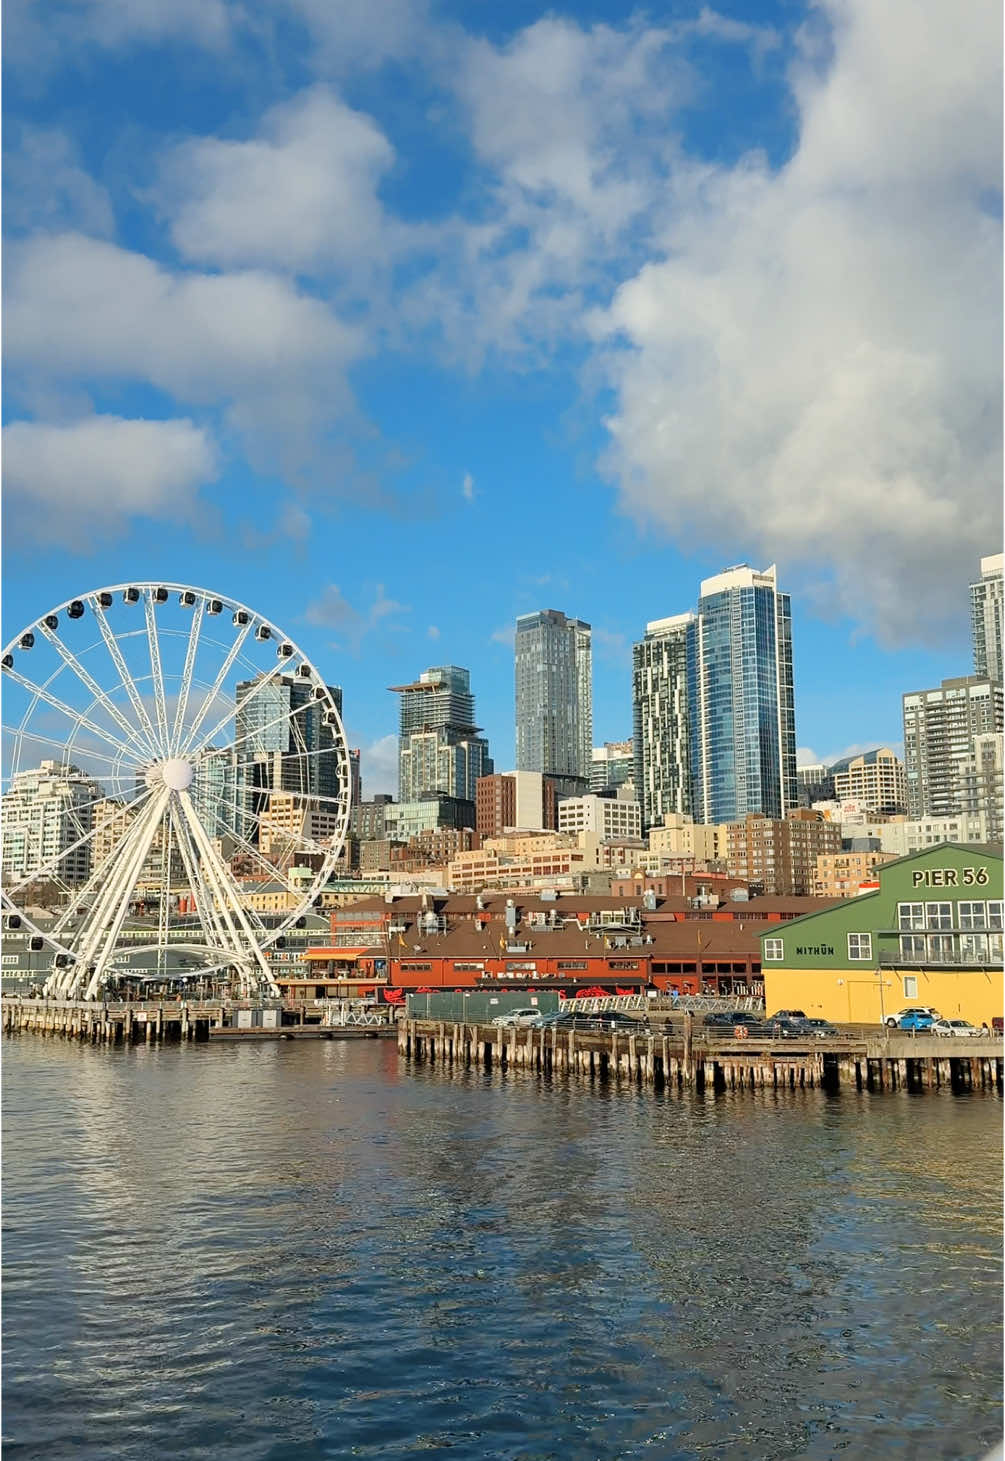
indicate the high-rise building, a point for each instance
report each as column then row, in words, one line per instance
column 740, row 698
column 608, row 817
column 939, row 730
column 554, row 696
column 876, row 779
column 986, row 608
column 439, row 747
column 779, row 856
column 612, row 766
column 48, row 813
column 980, row 783
column 660, row 716
column 283, row 743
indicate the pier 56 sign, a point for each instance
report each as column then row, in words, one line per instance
column 950, row 877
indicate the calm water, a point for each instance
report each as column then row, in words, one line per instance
column 295, row 1251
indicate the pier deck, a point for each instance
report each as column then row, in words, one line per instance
column 692, row 1059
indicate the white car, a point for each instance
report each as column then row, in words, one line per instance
column 954, row 1027
column 528, row 1016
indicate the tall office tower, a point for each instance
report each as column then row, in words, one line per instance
column 660, row 717
column 282, row 744
column 740, row 698
column 554, row 697
column 439, row 747
column 612, row 765
column 46, row 811
column 939, row 730
column 986, row 617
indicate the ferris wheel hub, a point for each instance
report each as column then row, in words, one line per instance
column 175, row 773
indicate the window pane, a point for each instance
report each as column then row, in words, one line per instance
column 995, row 914
column 910, row 986
column 911, row 915
column 940, row 915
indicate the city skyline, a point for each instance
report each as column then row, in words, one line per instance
column 614, row 309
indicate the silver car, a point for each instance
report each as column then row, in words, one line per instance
column 954, row 1027
column 528, row 1016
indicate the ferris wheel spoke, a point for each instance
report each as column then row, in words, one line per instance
column 164, row 904
column 300, row 839
column 205, row 911
column 259, row 684
column 186, row 675
column 286, row 717
column 20, row 734
column 46, row 868
column 216, row 687
column 149, row 735
column 112, row 898
column 76, row 717
column 249, row 847
column 91, row 684
column 229, row 896
column 103, row 871
column 160, row 704
column 106, row 925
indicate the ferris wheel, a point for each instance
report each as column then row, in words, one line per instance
column 176, row 783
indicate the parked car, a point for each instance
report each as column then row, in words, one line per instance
column 526, row 1016
column 733, row 1017
column 912, row 1009
column 822, row 1029
column 954, row 1027
column 789, row 1015
column 781, row 1027
column 916, row 1020
column 554, row 1020
column 620, row 1022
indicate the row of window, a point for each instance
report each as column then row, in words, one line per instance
column 859, row 948
column 940, row 915
column 955, row 948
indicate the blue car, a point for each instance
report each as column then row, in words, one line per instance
column 916, row 1020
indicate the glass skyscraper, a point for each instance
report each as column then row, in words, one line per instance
column 660, row 719
column 554, row 695
column 282, row 744
column 439, row 748
column 740, row 698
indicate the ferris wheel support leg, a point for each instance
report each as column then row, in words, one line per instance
column 221, row 875
column 108, row 928
column 213, row 927
column 67, row 982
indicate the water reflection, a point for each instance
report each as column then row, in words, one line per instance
column 297, row 1250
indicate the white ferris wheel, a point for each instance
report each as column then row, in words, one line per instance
column 177, row 788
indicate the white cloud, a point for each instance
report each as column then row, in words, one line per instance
column 46, row 187
column 71, row 484
column 468, row 487
column 505, row 635
column 811, row 369
column 379, row 767
column 433, row 632
column 302, row 194
column 333, row 610
column 806, row 757
column 274, row 359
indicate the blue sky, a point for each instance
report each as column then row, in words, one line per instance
column 395, row 321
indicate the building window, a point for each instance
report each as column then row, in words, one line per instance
column 572, row 964
column 860, row 946
column 774, row 950
column 910, row 986
column 973, row 948
column 939, row 915
column 910, row 915
column 416, row 968
column 941, row 948
column 995, row 947
column 995, row 914
column 973, row 915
